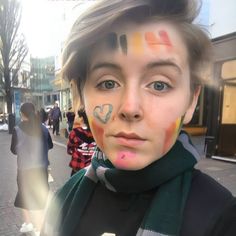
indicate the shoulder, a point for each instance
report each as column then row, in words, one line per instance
column 206, row 201
column 209, row 185
column 209, row 191
column 225, row 224
column 77, row 130
column 19, row 129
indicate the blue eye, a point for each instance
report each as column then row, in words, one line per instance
column 159, row 86
column 107, row 84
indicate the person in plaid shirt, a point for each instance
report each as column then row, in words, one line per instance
column 80, row 145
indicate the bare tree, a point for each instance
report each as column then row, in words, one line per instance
column 13, row 47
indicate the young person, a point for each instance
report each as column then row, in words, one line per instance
column 138, row 67
column 31, row 142
column 81, row 144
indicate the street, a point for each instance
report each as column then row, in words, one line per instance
column 10, row 218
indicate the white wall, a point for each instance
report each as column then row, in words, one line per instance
column 222, row 18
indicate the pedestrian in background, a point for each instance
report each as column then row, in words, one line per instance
column 43, row 116
column 70, row 115
column 56, row 117
column 31, row 142
column 138, row 67
column 81, row 144
column 50, row 122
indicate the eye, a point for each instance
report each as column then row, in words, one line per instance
column 159, row 86
column 107, row 84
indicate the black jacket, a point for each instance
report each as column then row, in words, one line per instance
column 210, row 211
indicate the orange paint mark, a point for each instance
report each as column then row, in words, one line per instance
column 97, row 134
column 136, row 42
column 178, row 125
column 152, row 41
column 171, row 134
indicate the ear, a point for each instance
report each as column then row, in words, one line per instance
column 189, row 113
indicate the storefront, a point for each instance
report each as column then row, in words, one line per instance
column 221, row 112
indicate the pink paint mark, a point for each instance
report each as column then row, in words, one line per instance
column 123, row 158
column 164, row 38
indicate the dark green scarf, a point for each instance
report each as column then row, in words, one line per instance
column 171, row 176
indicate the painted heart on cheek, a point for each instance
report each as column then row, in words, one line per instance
column 103, row 112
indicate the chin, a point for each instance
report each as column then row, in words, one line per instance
column 122, row 165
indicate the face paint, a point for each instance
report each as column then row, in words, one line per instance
column 136, row 42
column 171, row 133
column 97, row 133
column 103, row 112
column 123, row 43
column 164, row 38
column 152, row 41
column 112, row 41
column 123, row 158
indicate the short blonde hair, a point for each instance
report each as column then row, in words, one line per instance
column 96, row 22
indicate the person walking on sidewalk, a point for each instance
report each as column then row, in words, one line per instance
column 56, row 118
column 80, row 145
column 70, row 115
column 43, row 116
column 31, row 142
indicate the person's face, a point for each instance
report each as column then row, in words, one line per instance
column 137, row 93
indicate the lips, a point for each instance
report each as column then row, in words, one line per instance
column 129, row 139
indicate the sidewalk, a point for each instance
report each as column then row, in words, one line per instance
column 221, row 171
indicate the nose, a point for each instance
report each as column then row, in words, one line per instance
column 131, row 106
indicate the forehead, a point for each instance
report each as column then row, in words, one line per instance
column 157, row 39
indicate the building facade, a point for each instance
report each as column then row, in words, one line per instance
column 221, row 112
column 42, row 73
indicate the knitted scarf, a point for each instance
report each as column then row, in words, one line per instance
column 171, row 176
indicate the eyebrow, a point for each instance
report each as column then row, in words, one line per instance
column 151, row 65
column 106, row 65
column 162, row 63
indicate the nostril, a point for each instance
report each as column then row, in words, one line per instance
column 123, row 115
column 130, row 116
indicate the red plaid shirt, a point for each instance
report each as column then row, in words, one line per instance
column 81, row 147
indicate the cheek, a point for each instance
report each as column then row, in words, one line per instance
column 171, row 134
column 98, row 132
